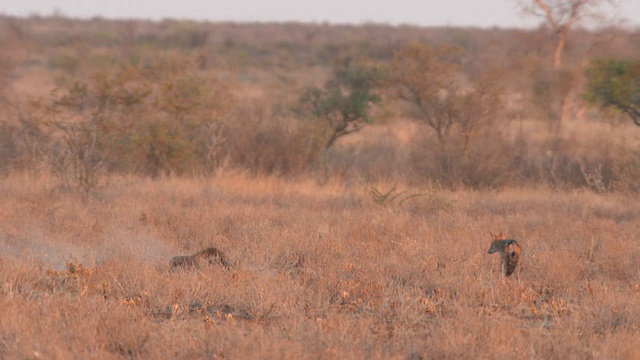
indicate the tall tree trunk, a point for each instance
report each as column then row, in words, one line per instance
column 557, row 54
column 565, row 102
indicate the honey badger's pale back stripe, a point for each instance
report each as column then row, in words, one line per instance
column 193, row 261
column 211, row 254
column 183, row 261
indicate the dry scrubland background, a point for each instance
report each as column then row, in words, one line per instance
column 126, row 143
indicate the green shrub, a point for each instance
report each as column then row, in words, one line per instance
column 615, row 83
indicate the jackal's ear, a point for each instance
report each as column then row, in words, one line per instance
column 501, row 236
column 494, row 236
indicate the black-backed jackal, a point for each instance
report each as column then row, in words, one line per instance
column 211, row 255
column 509, row 251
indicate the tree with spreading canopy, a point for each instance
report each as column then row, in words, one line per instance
column 560, row 82
column 561, row 15
column 615, row 83
column 344, row 103
column 430, row 81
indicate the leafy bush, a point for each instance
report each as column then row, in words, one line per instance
column 345, row 102
column 486, row 163
column 264, row 143
column 615, row 83
column 430, row 82
column 89, row 120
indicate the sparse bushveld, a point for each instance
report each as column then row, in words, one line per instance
column 123, row 143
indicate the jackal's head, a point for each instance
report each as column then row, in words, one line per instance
column 495, row 244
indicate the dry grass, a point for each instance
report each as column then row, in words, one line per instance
column 319, row 272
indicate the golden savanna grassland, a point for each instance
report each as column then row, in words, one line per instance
column 126, row 143
column 319, row 272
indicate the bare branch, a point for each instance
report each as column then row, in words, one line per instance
column 548, row 13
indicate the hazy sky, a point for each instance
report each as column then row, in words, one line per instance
column 484, row 13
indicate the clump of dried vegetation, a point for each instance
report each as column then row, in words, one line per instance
column 350, row 175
